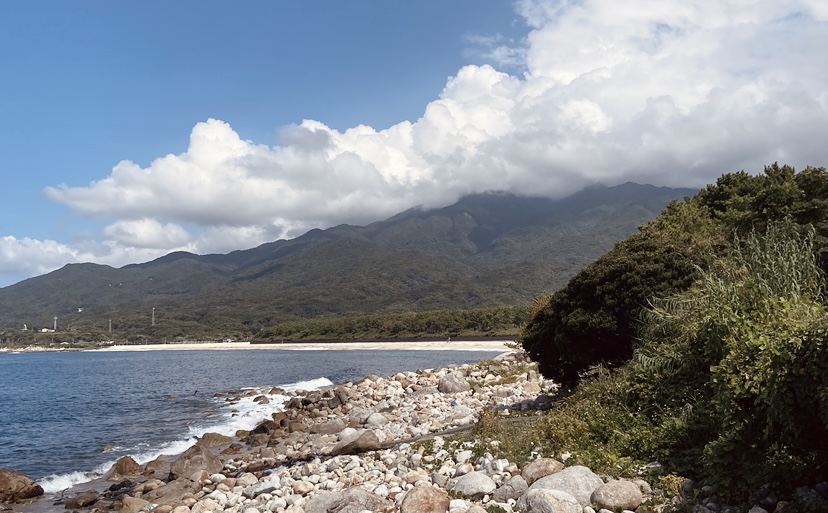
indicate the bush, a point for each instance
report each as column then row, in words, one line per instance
column 594, row 319
column 733, row 373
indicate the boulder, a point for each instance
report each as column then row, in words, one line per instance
column 617, row 495
column 511, row 489
column 329, row 427
column 453, row 383
column 133, row 505
column 350, row 500
column 474, row 485
column 82, row 500
column 194, row 459
column 173, row 492
column 542, row 500
column 376, row 420
column 16, row 486
column 577, row 481
column 539, row 468
column 122, row 468
column 367, row 441
column 210, row 440
column 159, row 468
column 425, row 499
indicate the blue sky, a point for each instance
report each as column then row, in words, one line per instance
column 130, row 130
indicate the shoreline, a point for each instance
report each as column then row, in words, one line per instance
column 503, row 345
column 407, row 345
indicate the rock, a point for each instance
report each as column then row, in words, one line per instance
column 511, row 489
column 376, row 420
column 82, row 500
column 541, row 467
column 172, row 492
column 330, row 427
column 367, row 441
column 425, row 499
column 246, row 479
column 122, row 468
column 210, row 440
column 757, row 509
column 350, row 500
column 453, row 384
column 474, row 485
column 133, row 505
column 16, row 486
column 159, row 467
column 578, row 481
column 302, row 487
column 194, row 459
column 543, row 500
column 617, row 495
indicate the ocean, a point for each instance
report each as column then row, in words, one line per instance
column 58, row 410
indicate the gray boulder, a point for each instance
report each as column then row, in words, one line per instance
column 82, row 500
column 541, row 467
column 425, row 499
column 195, row 459
column 452, row 384
column 511, row 489
column 376, row 420
column 172, row 492
column 349, row 500
column 329, row 427
column 474, row 485
column 367, row 441
column 577, row 481
column 543, row 500
column 618, row 495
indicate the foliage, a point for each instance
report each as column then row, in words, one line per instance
column 441, row 324
column 595, row 318
column 730, row 381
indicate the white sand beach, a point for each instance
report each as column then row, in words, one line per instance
column 466, row 345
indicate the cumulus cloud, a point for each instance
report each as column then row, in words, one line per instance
column 667, row 92
column 148, row 233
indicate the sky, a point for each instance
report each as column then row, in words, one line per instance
column 129, row 130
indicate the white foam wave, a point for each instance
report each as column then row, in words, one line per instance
column 244, row 414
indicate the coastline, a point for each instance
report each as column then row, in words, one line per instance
column 405, row 443
column 406, row 345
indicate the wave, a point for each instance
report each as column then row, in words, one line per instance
column 244, row 414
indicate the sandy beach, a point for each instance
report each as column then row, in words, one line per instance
column 466, row 345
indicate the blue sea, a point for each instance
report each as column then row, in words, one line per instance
column 59, row 409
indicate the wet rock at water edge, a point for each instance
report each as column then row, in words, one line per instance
column 16, row 486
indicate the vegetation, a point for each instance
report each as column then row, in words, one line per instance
column 729, row 382
column 441, row 324
column 701, row 342
column 594, row 319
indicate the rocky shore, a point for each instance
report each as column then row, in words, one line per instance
column 396, row 444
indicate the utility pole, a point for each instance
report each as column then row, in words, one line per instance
column 153, row 316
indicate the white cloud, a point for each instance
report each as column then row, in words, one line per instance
column 148, row 233
column 668, row 92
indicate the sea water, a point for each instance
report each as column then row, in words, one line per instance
column 58, row 411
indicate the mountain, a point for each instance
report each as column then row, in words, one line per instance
column 485, row 250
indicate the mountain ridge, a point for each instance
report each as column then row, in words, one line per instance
column 485, row 250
